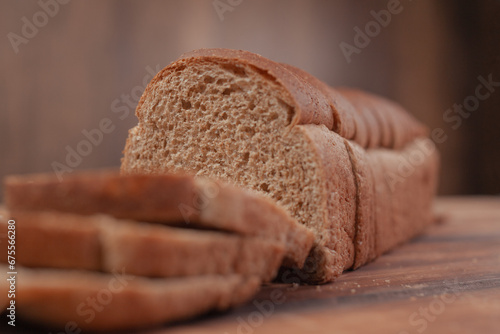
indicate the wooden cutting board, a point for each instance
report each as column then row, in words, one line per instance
column 445, row 281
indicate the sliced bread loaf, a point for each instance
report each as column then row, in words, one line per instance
column 239, row 117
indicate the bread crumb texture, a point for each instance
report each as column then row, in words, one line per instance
column 228, row 121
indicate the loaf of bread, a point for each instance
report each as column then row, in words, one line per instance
column 170, row 199
column 354, row 168
column 98, row 301
column 102, row 243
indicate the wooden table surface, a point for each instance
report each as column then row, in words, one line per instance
column 445, row 281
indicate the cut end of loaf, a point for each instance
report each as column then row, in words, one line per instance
column 230, row 121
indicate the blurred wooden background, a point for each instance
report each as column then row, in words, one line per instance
column 90, row 60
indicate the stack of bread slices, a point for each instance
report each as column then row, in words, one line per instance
column 104, row 251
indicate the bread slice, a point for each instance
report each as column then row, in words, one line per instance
column 97, row 301
column 161, row 251
column 258, row 124
column 334, row 246
column 178, row 200
column 394, row 195
column 54, row 240
column 371, row 130
column 366, row 220
column 416, row 175
column 58, row 240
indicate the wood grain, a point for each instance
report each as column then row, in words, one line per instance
column 445, row 281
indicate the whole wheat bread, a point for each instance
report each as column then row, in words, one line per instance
column 239, row 117
column 98, row 242
column 392, row 205
column 178, row 200
column 99, row 301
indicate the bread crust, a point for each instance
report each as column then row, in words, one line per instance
column 334, row 247
column 160, row 251
column 344, row 114
column 364, row 240
column 311, row 106
column 405, row 188
column 54, row 297
column 170, row 199
column 315, row 102
column 368, row 128
column 54, row 240
column 395, row 126
column 102, row 243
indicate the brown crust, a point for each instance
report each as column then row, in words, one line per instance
column 137, row 198
column 397, row 127
column 342, row 111
column 383, row 207
column 372, row 122
column 260, row 216
column 405, row 186
column 55, row 297
column 311, row 106
column 368, row 120
column 364, row 241
column 160, row 251
column 421, row 188
column 171, row 199
column 55, row 240
column 102, row 243
column 334, row 249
